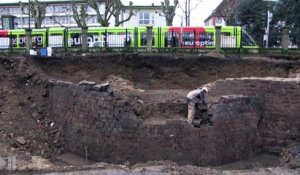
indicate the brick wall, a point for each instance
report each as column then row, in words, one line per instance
column 280, row 103
column 106, row 128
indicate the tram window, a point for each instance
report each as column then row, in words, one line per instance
column 56, row 40
column 4, row 42
column 37, row 41
column 127, row 39
column 144, row 39
column 228, row 40
column 117, row 39
column 13, row 40
column 22, row 41
column 171, row 39
column 206, row 39
column 18, row 41
column 93, row 40
column 225, row 33
column 247, row 40
column 188, row 38
column 75, row 39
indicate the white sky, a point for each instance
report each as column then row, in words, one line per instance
column 201, row 9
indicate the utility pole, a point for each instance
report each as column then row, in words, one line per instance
column 187, row 12
column 29, row 20
column 269, row 16
column 28, row 31
column 269, row 19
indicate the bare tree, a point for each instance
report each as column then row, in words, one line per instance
column 169, row 11
column 117, row 13
column 37, row 11
column 112, row 8
column 80, row 14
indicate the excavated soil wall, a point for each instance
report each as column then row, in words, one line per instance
column 280, row 103
column 106, row 128
column 165, row 71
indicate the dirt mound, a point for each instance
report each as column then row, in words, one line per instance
column 122, row 85
column 25, row 126
column 290, row 156
column 215, row 54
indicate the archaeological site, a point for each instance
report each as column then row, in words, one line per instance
column 125, row 114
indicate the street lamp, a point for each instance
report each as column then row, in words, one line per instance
column 269, row 19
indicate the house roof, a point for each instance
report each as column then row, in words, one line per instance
column 7, row 2
column 224, row 9
column 143, row 7
column 146, row 3
column 152, row 4
column 149, row 4
column 26, row 1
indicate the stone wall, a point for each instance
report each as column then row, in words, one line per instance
column 280, row 103
column 106, row 128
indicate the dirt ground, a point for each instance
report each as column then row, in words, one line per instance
column 27, row 133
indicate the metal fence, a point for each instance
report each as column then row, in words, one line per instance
column 122, row 39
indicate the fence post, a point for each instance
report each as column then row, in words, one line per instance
column 28, row 39
column 194, row 43
column 105, row 39
column 218, row 38
column 285, row 38
column 149, row 38
column 172, row 40
column 66, row 39
column 84, row 39
column 127, row 44
column 11, row 43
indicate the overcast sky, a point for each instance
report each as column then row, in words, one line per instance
column 201, row 9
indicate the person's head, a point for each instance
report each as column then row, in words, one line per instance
column 205, row 89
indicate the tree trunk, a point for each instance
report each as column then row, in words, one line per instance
column 84, row 39
column 169, row 22
column 28, row 39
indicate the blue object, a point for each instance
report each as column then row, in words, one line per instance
column 44, row 52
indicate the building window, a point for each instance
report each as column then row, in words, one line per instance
column 61, row 8
column 46, row 20
column 144, row 18
column 2, row 10
column 57, row 8
column 90, row 9
column 93, row 19
column 219, row 20
column 152, row 19
column 25, row 21
column 14, row 10
column 49, row 9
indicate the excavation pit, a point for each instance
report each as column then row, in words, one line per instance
column 136, row 109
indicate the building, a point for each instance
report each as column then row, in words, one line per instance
column 59, row 14
column 145, row 15
column 223, row 11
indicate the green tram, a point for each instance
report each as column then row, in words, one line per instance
column 162, row 37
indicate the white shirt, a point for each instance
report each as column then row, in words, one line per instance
column 194, row 93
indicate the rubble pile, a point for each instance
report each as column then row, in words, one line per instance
column 290, row 156
column 23, row 105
